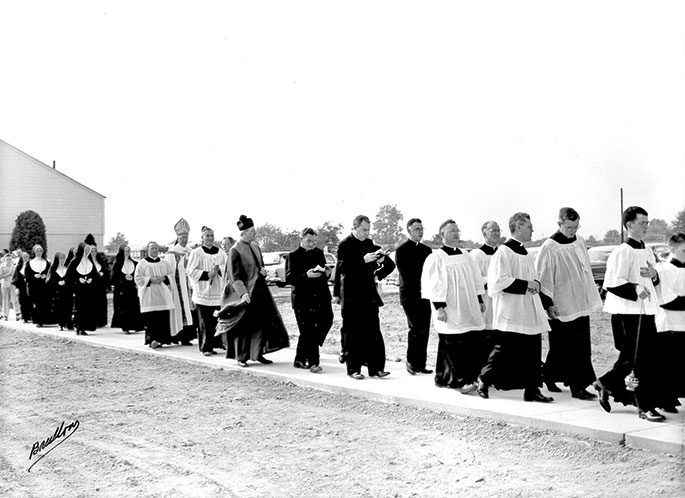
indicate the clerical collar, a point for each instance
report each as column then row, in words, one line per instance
column 210, row 250
column 562, row 239
column 151, row 260
column 635, row 244
column 676, row 263
column 416, row 242
column 489, row 250
column 355, row 236
column 516, row 246
column 451, row 251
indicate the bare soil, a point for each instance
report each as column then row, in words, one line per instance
column 151, row 426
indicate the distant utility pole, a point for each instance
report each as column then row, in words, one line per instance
column 621, row 217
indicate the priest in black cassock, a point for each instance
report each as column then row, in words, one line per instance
column 410, row 256
column 362, row 264
column 306, row 272
column 249, row 321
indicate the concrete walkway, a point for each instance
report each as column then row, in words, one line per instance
column 567, row 415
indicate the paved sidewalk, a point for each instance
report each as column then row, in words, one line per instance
column 585, row 418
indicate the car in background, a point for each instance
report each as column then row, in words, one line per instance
column 598, row 264
column 661, row 250
column 274, row 262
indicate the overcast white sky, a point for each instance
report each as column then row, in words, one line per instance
column 297, row 112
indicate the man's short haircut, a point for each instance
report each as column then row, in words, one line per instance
column 516, row 219
column 568, row 213
column 631, row 213
column 485, row 226
column 359, row 219
column 412, row 221
column 308, row 231
column 151, row 242
column 448, row 221
column 676, row 239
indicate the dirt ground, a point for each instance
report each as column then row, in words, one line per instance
column 150, row 426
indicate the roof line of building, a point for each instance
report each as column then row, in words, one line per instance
column 55, row 170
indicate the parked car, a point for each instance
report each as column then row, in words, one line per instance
column 274, row 263
column 598, row 264
column 660, row 249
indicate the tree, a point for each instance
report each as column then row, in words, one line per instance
column 657, row 231
column 612, row 237
column 116, row 242
column 678, row 224
column 272, row 238
column 386, row 228
column 28, row 231
column 328, row 236
column 591, row 241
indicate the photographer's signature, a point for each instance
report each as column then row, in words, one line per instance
column 42, row 448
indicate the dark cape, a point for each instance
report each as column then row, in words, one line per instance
column 37, row 289
column 256, row 328
column 126, row 314
column 86, row 297
column 62, row 297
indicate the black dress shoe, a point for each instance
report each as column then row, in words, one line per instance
column 380, row 374
column 651, row 416
column 242, row 364
column 263, row 360
column 584, row 395
column 83, row 332
column 410, row 369
column 356, row 376
column 603, row 396
column 299, row 364
column 552, row 387
column 482, row 389
column 537, row 396
column 669, row 409
column 425, row 371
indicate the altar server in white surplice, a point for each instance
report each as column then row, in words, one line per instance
column 670, row 322
column 451, row 281
column 206, row 267
column 631, row 299
column 569, row 295
column 518, row 315
column 152, row 278
column 182, row 323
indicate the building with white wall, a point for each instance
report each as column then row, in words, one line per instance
column 69, row 209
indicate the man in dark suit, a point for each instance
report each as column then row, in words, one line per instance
column 410, row 256
column 361, row 264
column 306, row 272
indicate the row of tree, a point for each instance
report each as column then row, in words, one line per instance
column 387, row 231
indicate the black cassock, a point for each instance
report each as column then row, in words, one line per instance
column 311, row 301
column 359, row 302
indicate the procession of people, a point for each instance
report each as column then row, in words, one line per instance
column 489, row 306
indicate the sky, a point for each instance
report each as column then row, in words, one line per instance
column 300, row 112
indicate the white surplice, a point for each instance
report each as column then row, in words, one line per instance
column 206, row 292
column 153, row 297
column 566, row 277
column 671, row 286
column 454, row 280
column 521, row 313
column 623, row 266
column 483, row 262
column 177, row 257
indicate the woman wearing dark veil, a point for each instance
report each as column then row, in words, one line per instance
column 102, row 268
column 19, row 282
column 126, row 303
column 60, row 291
column 36, row 275
column 84, row 279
